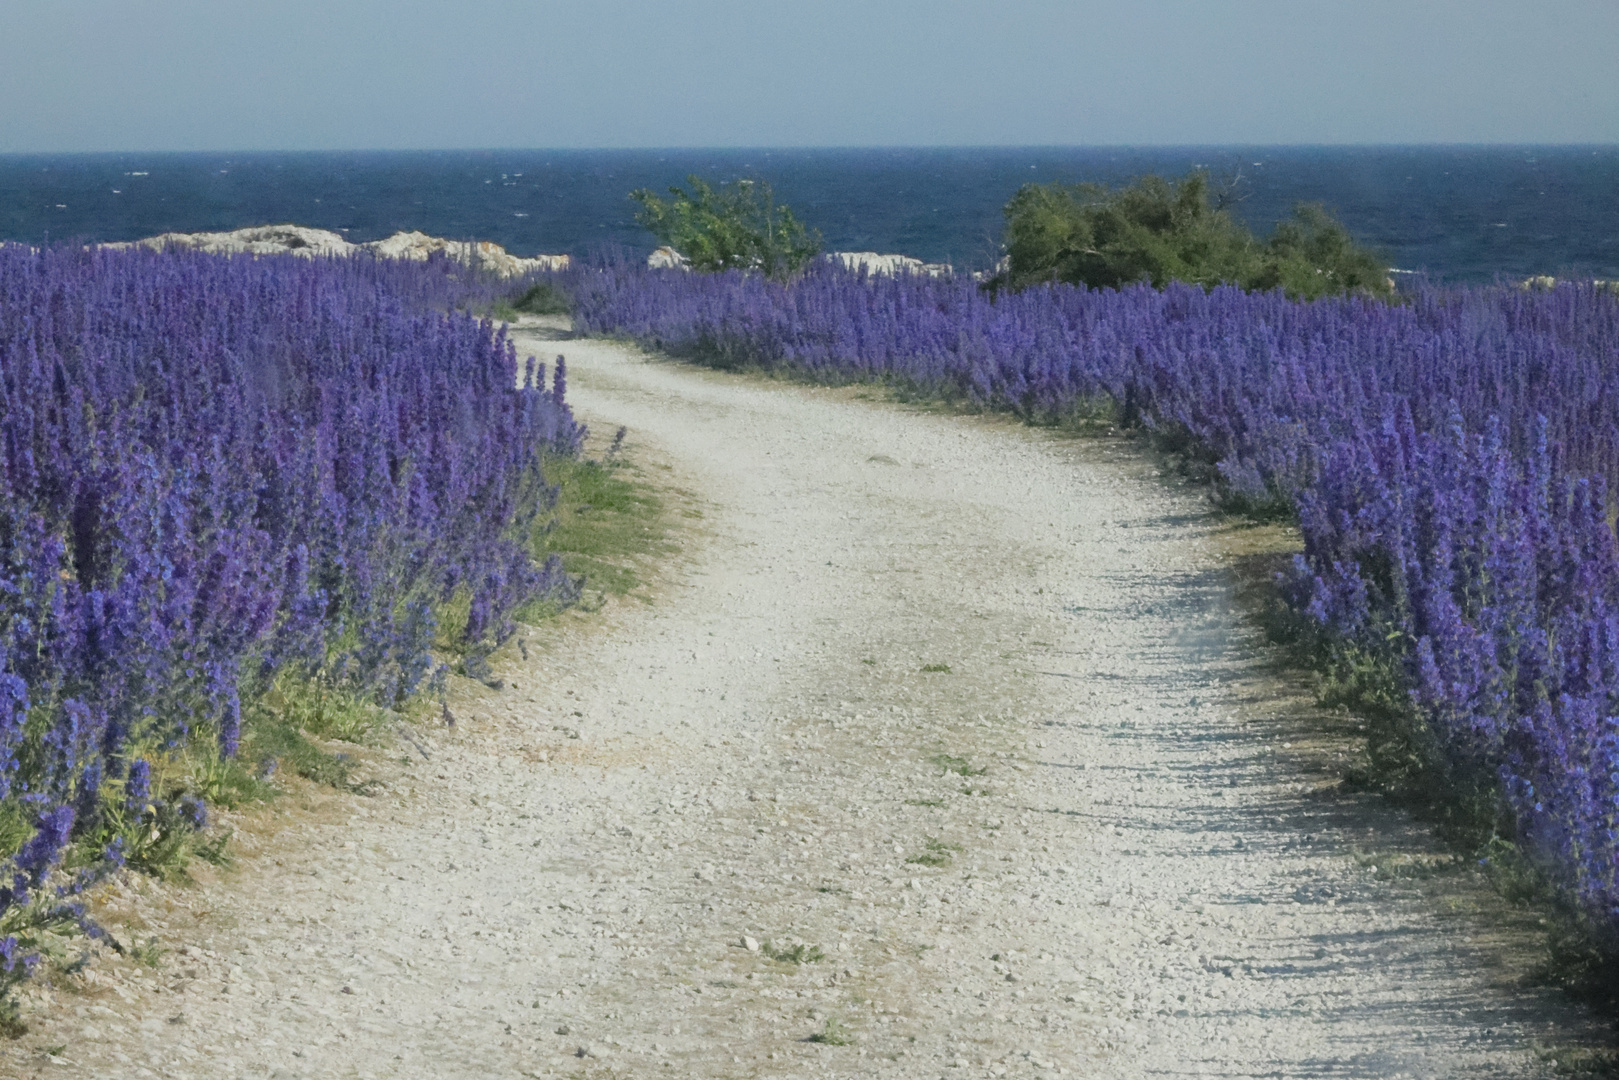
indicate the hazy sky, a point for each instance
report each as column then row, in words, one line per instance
column 373, row 74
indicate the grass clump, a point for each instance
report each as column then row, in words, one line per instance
column 795, row 953
column 324, row 710
column 607, row 521
column 936, row 669
column 150, row 954
column 935, row 853
column 832, row 1033
column 289, row 723
column 958, row 765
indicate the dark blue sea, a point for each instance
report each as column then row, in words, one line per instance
column 1462, row 214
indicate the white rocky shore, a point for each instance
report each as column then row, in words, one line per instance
column 889, row 265
column 667, row 258
column 300, row 240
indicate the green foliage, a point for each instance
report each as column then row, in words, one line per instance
column 936, row 853
column 958, row 765
column 796, row 953
column 1158, row 231
column 158, row 841
column 832, row 1033
column 1153, row 230
column 737, row 226
column 540, row 298
column 1311, row 254
column 282, row 729
column 324, row 709
column 608, row 520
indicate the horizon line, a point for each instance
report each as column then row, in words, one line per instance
column 832, row 147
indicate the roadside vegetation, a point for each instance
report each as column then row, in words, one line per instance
column 609, row 523
column 538, row 298
column 253, row 513
column 1445, row 459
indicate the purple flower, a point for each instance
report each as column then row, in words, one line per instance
column 138, row 788
column 1447, row 459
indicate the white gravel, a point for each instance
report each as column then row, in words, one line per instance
column 1142, row 881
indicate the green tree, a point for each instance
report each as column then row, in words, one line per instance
column 1311, row 254
column 1158, row 231
column 737, row 226
column 1153, row 230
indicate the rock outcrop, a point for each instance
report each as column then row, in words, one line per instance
column 889, row 265
column 1547, row 281
column 667, row 258
column 298, row 240
column 488, row 256
column 259, row 240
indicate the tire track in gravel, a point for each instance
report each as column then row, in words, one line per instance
column 1119, row 867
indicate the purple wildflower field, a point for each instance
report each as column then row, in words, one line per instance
column 216, row 470
column 1450, row 460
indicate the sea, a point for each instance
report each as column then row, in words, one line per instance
column 1460, row 214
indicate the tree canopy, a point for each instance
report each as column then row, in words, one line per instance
column 1156, row 230
column 737, row 226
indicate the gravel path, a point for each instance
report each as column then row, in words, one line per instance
column 1089, row 847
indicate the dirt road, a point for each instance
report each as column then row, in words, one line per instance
column 943, row 754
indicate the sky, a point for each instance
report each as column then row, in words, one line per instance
column 227, row 75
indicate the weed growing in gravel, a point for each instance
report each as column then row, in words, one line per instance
column 796, row 953
column 958, row 765
column 832, row 1033
column 149, row 955
column 325, row 710
column 1418, row 867
column 924, row 802
column 938, row 669
column 935, row 852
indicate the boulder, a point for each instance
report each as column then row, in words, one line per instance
column 1547, row 281
column 888, row 265
column 667, row 258
column 1003, row 266
column 486, row 255
column 259, row 240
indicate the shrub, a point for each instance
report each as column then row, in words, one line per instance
column 542, row 298
column 1311, row 255
column 737, row 226
column 1157, row 231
